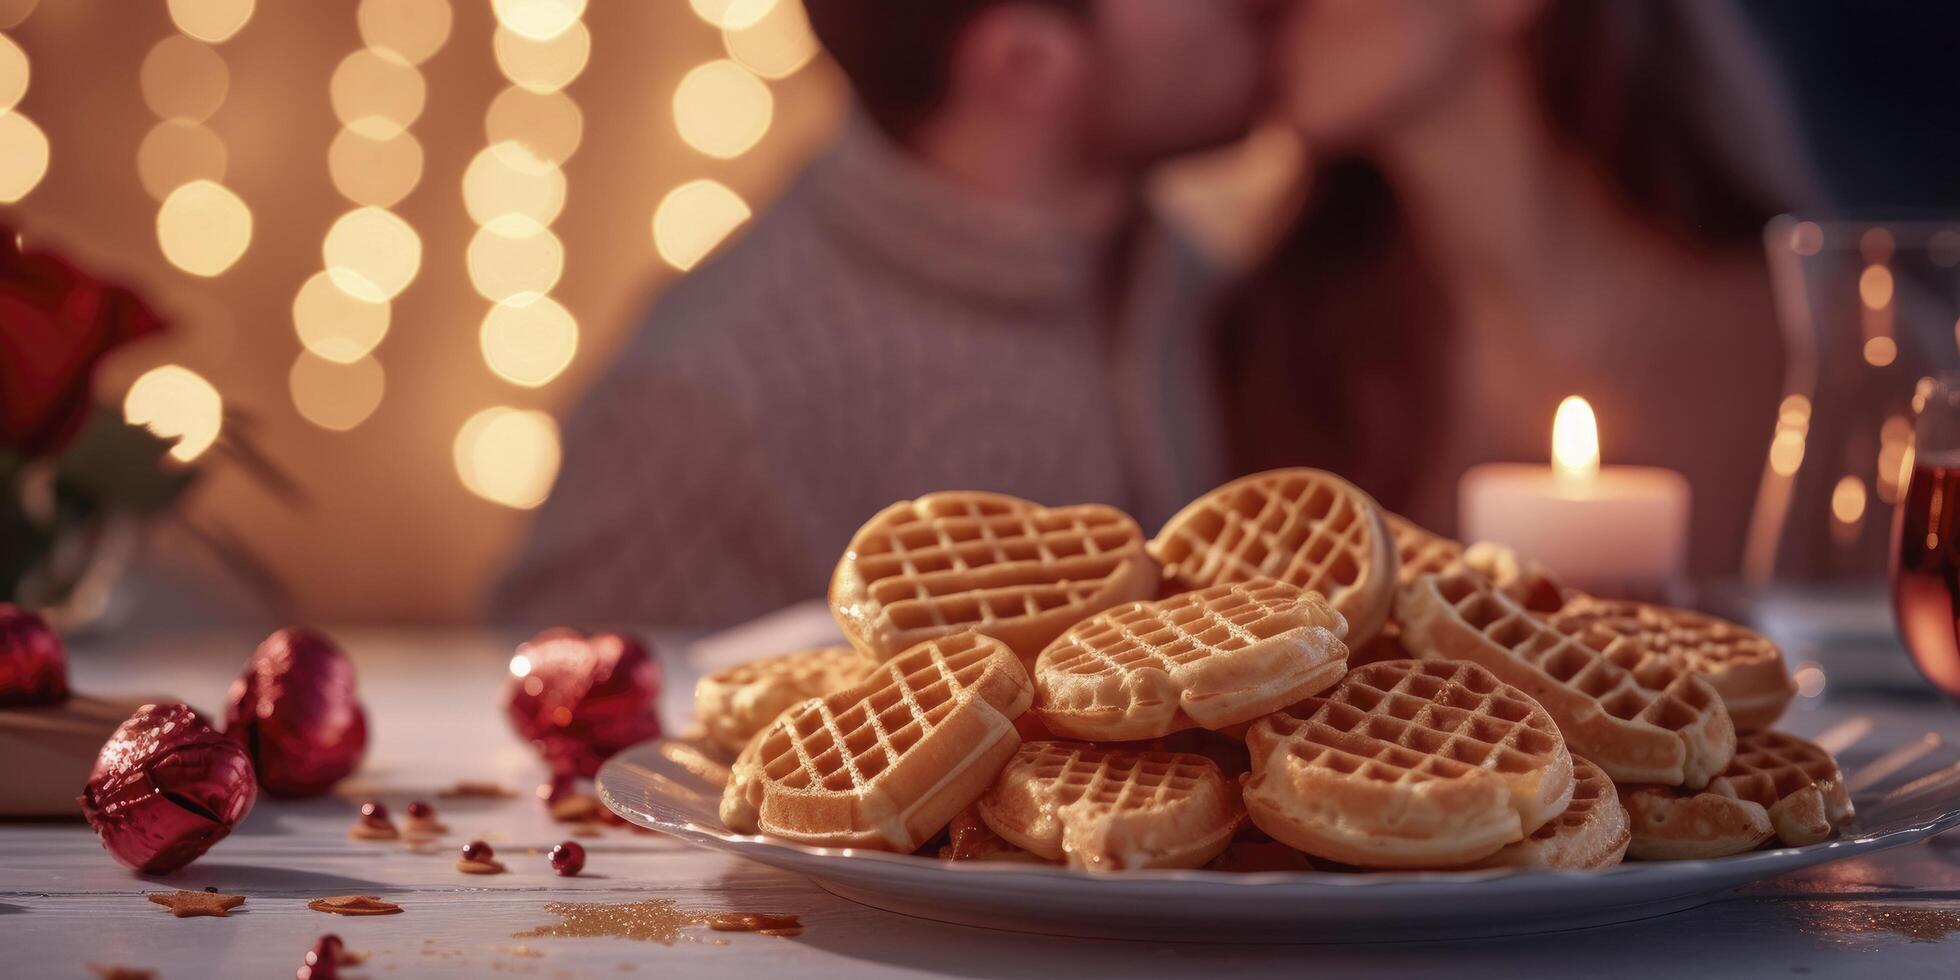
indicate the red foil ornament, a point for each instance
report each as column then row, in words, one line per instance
column 33, row 667
column 295, row 710
column 166, row 787
column 580, row 698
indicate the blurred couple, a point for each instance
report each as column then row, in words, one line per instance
column 1504, row 202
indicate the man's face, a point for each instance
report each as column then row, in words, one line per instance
column 1175, row 76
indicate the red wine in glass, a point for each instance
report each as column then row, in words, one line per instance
column 1926, row 568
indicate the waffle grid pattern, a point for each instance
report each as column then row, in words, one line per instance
column 1289, row 526
column 1629, row 682
column 1112, row 781
column 1700, row 643
column 1420, row 552
column 975, row 559
column 1591, row 789
column 1418, row 721
column 818, row 746
column 1771, row 766
column 808, row 670
column 1178, row 631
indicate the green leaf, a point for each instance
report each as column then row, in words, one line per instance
column 120, row 467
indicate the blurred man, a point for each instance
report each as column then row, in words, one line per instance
column 960, row 293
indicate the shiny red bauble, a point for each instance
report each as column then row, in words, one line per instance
column 580, row 698
column 568, row 858
column 33, row 666
column 295, row 710
column 166, row 787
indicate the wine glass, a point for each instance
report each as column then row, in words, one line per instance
column 1926, row 538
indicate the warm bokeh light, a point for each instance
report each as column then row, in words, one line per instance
column 1894, row 457
column 413, row 29
column 211, row 21
column 539, row 20
column 1807, row 238
column 777, row 45
column 732, row 15
column 1881, row 351
column 1848, row 500
column 183, row 79
column 722, row 109
column 508, row 456
column 12, row 12
column 693, row 218
column 333, row 395
column 549, row 125
column 542, row 66
column 176, row 403
column 14, row 73
column 529, row 344
column 371, row 171
column 1876, row 245
column 372, row 254
column 508, row 178
column 1786, row 451
column 377, row 93
column 176, row 152
column 514, row 260
column 1875, row 287
column 334, row 325
column 23, row 156
column 203, row 227
column 1575, row 439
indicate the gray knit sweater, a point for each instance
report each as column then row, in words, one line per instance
column 876, row 334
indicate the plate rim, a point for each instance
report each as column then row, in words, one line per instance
column 1749, row 866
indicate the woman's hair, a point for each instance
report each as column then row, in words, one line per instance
column 1336, row 350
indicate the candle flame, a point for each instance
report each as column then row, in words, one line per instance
column 1575, row 440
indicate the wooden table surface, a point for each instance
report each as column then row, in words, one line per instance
column 435, row 716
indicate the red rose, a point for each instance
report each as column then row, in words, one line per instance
column 56, row 322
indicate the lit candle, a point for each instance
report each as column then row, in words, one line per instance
column 1609, row 530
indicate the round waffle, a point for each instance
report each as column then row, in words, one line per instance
column 1778, row 785
column 1112, row 809
column 1640, row 717
column 1304, row 527
column 885, row 763
column 1592, row 832
column 1744, row 667
column 733, row 704
column 1408, row 764
column 964, row 560
column 1211, row 658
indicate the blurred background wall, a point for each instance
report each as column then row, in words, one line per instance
column 439, row 156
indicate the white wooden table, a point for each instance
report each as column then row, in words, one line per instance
column 436, row 718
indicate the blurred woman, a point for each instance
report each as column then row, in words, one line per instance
column 1514, row 201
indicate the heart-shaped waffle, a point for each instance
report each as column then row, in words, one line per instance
column 1592, row 832
column 1408, row 764
column 885, row 763
column 1778, row 786
column 1743, row 666
column 1304, row 527
column 1112, row 809
column 964, row 560
column 1640, row 717
column 734, row 703
column 1206, row 659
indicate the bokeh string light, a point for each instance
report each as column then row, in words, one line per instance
column 203, row 227
column 23, row 147
column 693, row 218
column 175, row 402
column 777, row 44
column 370, row 254
column 514, row 189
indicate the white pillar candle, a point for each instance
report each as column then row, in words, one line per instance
column 1609, row 530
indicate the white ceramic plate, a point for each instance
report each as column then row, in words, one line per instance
column 1903, row 793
